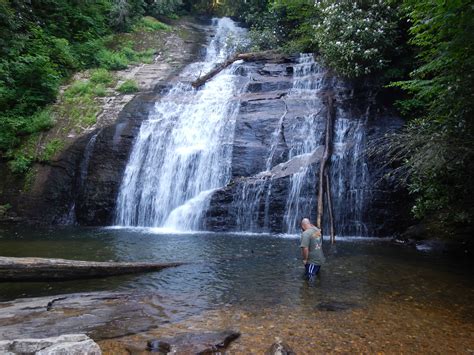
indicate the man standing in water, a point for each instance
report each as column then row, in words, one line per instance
column 311, row 248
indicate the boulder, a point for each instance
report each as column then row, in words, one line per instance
column 67, row 344
column 280, row 348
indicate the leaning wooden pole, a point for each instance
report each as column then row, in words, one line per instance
column 325, row 158
column 332, row 230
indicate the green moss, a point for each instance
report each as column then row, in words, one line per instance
column 128, row 87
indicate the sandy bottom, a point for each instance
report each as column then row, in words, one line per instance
column 394, row 325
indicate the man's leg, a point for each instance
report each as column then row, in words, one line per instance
column 311, row 271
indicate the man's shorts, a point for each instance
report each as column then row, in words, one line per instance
column 311, row 270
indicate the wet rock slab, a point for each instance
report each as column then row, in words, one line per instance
column 100, row 315
column 71, row 344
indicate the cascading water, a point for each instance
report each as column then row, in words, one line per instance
column 349, row 174
column 348, row 170
column 307, row 81
column 183, row 151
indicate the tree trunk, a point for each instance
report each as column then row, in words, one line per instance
column 325, row 158
column 243, row 56
column 40, row 269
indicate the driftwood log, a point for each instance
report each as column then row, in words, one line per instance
column 252, row 56
column 41, row 269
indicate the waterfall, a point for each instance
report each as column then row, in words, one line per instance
column 304, row 134
column 253, row 197
column 183, row 151
column 349, row 175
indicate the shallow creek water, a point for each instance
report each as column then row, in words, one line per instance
column 371, row 295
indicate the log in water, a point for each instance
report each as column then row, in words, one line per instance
column 42, row 269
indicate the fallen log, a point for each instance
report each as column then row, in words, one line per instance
column 251, row 56
column 42, row 269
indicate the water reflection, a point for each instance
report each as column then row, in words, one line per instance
column 249, row 271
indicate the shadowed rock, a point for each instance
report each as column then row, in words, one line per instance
column 100, row 315
column 194, row 343
column 335, row 306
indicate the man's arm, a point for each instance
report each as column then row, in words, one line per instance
column 305, row 253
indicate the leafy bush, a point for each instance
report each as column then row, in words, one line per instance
column 128, row 87
column 356, row 37
column 112, row 60
column 42, row 120
column 20, row 164
column 436, row 149
column 79, row 88
column 102, row 76
column 149, row 24
column 100, row 90
column 164, row 7
column 51, row 148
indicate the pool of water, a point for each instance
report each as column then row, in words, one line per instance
column 259, row 277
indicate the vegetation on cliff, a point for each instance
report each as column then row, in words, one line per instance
column 41, row 45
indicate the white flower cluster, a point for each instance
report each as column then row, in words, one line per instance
column 353, row 36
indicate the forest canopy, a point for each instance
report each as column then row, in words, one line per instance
column 422, row 49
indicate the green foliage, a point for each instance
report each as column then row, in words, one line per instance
column 149, row 24
column 128, row 87
column 20, row 165
column 100, row 90
column 439, row 162
column 356, row 37
column 43, row 42
column 79, row 88
column 51, row 148
column 164, row 7
column 125, row 13
column 4, row 209
column 102, row 76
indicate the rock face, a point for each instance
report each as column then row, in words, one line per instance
column 71, row 344
column 274, row 173
column 273, row 124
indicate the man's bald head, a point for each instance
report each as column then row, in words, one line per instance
column 306, row 223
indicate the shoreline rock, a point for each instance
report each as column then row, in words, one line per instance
column 71, row 344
